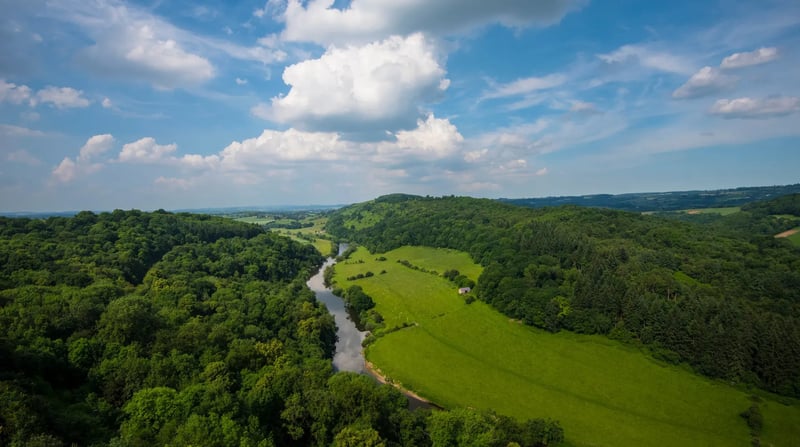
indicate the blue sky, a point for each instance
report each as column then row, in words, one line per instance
column 180, row 104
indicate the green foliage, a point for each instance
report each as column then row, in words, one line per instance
column 358, row 437
column 464, row 427
column 156, row 329
column 718, row 296
column 754, row 419
column 784, row 205
column 149, row 319
column 360, row 306
column 670, row 201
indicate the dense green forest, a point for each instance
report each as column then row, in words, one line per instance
column 724, row 298
column 155, row 329
column 665, row 201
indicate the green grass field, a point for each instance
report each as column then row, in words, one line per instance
column 602, row 392
column 795, row 238
column 300, row 234
column 722, row 211
column 256, row 220
column 313, row 232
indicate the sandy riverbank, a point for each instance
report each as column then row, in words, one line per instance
column 378, row 375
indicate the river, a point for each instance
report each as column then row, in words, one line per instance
column 349, row 355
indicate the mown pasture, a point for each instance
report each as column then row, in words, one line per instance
column 602, row 392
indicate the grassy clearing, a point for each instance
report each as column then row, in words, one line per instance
column 604, row 393
column 258, row 220
column 721, row 211
column 310, row 235
column 795, row 238
column 439, row 260
column 792, row 235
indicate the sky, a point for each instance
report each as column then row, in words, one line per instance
column 177, row 104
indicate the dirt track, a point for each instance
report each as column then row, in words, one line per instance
column 378, row 375
column 788, row 232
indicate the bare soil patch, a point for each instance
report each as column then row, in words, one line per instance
column 788, row 233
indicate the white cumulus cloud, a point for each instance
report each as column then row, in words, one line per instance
column 366, row 20
column 137, row 50
column 146, row 150
column 95, row 146
column 69, row 169
column 61, row 97
column 66, row 171
column 15, row 94
column 196, row 161
column 756, row 108
column 433, row 138
column 273, row 147
column 378, row 86
column 132, row 43
column 706, row 81
column 757, row 57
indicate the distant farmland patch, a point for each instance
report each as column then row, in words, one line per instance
column 258, row 220
column 721, row 211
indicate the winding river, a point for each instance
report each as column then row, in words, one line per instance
column 349, row 355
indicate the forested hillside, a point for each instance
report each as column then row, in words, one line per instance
column 153, row 329
column 665, row 201
column 726, row 302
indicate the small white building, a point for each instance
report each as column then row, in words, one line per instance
column 464, row 290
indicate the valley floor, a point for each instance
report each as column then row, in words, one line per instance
column 602, row 392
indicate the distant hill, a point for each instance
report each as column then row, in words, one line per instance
column 664, row 201
column 784, row 205
column 214, row 211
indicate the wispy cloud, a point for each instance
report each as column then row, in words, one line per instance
column 648, row 57
column 24, row 157
column 19, row 131
column 756, row 108
column 705, row 82
column 757, row 57
column 525, row 85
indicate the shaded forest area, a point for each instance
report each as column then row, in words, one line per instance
column 664, row 201
column 724, row 298
column 154, row 329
